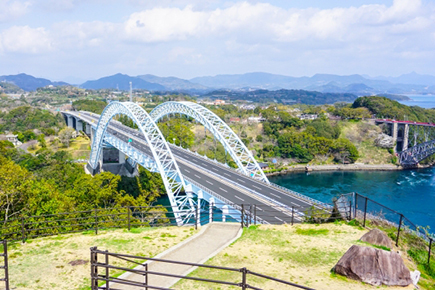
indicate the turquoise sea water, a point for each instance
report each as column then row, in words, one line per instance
column 410, row 192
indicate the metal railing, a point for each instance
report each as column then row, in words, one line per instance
column 365, row 209
column 28, row 227
column 112, row 282
column 4, row 255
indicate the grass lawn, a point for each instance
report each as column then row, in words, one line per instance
column 43, row 263
column 302, row 254
column 79, row 148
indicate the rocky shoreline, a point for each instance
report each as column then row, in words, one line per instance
column 341, row 167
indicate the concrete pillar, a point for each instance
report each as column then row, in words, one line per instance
column 70, row 121
column 405, row 137
column 198, row 209
column 394, row 131
column 79, row 125
column 92, row 134
column 121, row 158
column 225, row 212
column 88, row 129
column 210, row 213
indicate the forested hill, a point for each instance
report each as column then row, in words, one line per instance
column 94, row 106
column 284, row 96
column 29, row 118
column 386, row 108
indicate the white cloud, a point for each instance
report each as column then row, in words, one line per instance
column 10, row 10
column 24, row 39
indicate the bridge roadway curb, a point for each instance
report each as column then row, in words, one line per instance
column 210, row 240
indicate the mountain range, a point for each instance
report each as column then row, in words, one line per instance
column 411, row 83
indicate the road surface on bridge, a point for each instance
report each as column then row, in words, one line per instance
column 233, row 186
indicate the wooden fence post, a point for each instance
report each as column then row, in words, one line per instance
column 96, row 221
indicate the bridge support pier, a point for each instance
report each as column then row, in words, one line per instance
column 79, row 125
column 394, row 131
column 70, row 121
column 405, row 138
column 88, row 129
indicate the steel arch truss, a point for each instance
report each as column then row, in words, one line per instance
column 415, row 154
column 221, row 131
column 161, row 161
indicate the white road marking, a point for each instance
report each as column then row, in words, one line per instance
column 203, row 164
column 259, row 208
column 239, row 198
column 226, row 174
column 256, row 187
column 241, row 180
column 215, row 169
column 187, row 170
column 295, row 204
column 278, row 218
column 222, row 189
column 198, row 176
column 275, row 195
column 209, row 182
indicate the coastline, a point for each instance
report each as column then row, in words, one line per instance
column 340, row 167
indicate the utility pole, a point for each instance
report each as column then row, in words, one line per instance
column 131, row 92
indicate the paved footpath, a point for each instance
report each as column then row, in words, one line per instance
column 197, row 249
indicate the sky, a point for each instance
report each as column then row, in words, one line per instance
column 79, row 40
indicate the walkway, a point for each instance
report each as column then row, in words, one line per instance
column 198, row 249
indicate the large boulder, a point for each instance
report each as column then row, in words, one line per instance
column 373, row 266
column 377, row 237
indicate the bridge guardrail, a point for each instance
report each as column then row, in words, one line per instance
column 276, row 203
column 286, row 190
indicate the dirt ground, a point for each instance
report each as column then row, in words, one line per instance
column 45, row 263
column 302, row 254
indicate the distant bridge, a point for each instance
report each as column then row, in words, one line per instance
column 188, row 177
column 415, row 141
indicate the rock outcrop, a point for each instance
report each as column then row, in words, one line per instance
column 373, row 266
column 377, row 237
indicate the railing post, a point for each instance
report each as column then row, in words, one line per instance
column 255, row 214
column 350, row 210
column 128, row 218
column 356, row 205
column 23, row 230
column 107, row 270
column 242, row 217
column 398, row 230
column 94, row 269
column 365, row 212
column 243, row 284
column 293, row 214
column 146, row 276
column 96, row 221
column 430, row 247
column 5, row 252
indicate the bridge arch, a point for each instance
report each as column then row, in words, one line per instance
column 221, row 131
column 173, row 180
